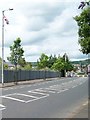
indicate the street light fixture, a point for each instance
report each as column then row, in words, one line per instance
column 3, row 18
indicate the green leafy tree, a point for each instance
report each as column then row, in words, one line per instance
column 28, row 66
column 42, row 63
column 62, row 65
column 22, row 62
column 17, row 52
column 59, row 65
column 68, row 64
column 5, row 65
column 51, row 60
column 83, row 22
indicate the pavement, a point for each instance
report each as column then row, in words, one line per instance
column 82, row 112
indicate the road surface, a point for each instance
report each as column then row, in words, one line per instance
column 59, row 98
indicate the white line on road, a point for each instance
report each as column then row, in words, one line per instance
column 2, row 107
column 8, row 95
column 36, row 99
column 27, row 95
column 62, row 90
column 49, row 90
column 36, row 91
column 39, row 91
column 15, row 99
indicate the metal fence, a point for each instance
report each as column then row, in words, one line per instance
column 22, row 75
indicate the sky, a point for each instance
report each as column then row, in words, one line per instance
column 44, row 26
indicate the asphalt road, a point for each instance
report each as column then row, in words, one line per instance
column 59, row 98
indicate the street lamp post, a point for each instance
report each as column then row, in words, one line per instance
column 3, row 18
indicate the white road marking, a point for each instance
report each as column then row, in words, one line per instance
column 36, row 99
column 15, row 99
column 62, row 90
column 50, row 89
column 20, row 94
column 34, row 91
column 74, row 86
column 38, row 91
column 2, row 107
column 8, row 95
column 27, row 95
column 46, row 90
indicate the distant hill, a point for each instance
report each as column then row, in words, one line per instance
column 33, row 63
column 83, row 62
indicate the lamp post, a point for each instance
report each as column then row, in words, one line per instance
column 3, row 18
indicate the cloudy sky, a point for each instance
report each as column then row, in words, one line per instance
column 44, row 26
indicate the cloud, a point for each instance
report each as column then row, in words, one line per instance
column 44, row 27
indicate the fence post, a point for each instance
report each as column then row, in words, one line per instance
column 44, row 74
column 15, row 77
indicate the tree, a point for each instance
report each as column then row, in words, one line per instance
column 62, row 65
column 43, row 61
column 59, row 65
column 83, row 21
column 5, row 65
column 28, row 66
column 68, row 64
column 51, row 60
column 17, row 52
column 22, row 62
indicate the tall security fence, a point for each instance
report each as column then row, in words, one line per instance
column 23, row 75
